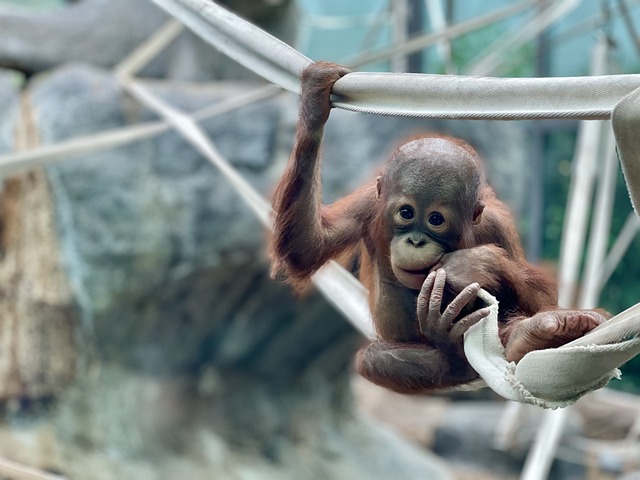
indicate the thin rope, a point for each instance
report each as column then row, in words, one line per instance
column 628, row 232
column 189, row 129
column 23, row 160
column 141, row 56
column 493, row 57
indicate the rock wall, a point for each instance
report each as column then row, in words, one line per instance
column 152, row 343
column 141, row 336
column 103, row 32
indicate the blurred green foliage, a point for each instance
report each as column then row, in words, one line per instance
column 36, row 4
column 467, row 48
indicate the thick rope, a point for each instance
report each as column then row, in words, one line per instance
column 460, row 97
column 414, row 95
column 240, row 40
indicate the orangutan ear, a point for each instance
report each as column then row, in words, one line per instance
column 378, row 187
column 477, row 213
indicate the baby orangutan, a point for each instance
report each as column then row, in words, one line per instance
column 430, row 233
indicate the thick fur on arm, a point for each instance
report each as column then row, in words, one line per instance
column 307, row 234
column 533, row 289
column 497, row 226
column 521, row 288
column 412, row 367
column 305, row 238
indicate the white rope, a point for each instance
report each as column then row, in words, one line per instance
column 628, row 232
column 192, row 132
column 418, row 95
column 338, row 286
column 19, row 471
column 626, row 125
column 554, row 377
column 141, row 56
column 341, row 288
column 453, row 31
column 460, row 97
column 495, row 54
column 14, row 162
column 240, row 40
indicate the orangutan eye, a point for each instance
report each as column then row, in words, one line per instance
column 406, row 212
column 436, row 219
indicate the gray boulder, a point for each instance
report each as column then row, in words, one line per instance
column 176, row 355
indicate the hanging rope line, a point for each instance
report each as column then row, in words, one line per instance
column 39, row 157
column 453, row 31
column 336, row 284
column 626, row 125
column 473, row 98
column 137, row 60
column 626, row 235
column 415, row 95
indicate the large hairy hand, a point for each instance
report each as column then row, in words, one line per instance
column 317, row 82
column 548, row 329
column 472, row 265
column 445, row 329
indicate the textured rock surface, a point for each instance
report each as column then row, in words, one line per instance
column 141, row 336
column 189, row 362
column 103, row 32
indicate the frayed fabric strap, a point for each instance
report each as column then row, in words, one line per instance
column 555, row 377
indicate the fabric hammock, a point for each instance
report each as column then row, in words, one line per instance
column 555, row 377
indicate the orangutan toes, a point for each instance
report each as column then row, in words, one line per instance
column 550, row 329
